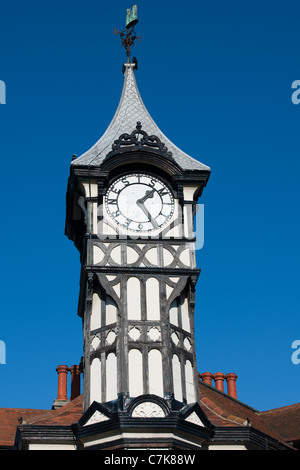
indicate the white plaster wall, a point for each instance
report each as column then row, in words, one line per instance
column 95, row 320
column 111, row 377
column 111, row 311
column 133, row 299
column 132, row 255
column 189, row 383
column 152, row 299
column 176, row 368
column 152, row 256
column 188, row 192
column 95, row 380
column 135, row 372
column 173, row 313
column 185, row 315
column 89, row 188
column 155, row 373
column 98, row 254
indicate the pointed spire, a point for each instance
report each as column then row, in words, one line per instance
column 131, row 109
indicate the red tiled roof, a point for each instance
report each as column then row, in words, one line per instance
column 66, row 415
column 223, row 410
column 285, row 421
column 9, row 422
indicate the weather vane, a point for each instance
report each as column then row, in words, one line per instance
column 128, row 36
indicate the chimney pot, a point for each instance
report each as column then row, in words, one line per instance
column 75, row 381
column 231, row 384
column 62, row 371
column 219, row 381
column 207, row 377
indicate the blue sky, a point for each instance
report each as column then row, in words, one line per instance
column 216, row 77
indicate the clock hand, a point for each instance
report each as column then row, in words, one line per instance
column 147, row 196
column 147, row 213
column 140, row 203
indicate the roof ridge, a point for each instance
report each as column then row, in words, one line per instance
column 279, row 408
column 55, row 413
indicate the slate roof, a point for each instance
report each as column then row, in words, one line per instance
column 131, row 109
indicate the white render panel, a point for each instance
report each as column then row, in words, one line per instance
column 111, row 311
column 188, row 221
column 116, row 255
column 132, row 255
column 189, row 383
column 188, row 192
column 185, row 315
column 152, row 299
column 135, row 372
column 98, row 254
column 177, row 378
column 155, row 373
column 89, row 188
column 152, row 256
column 133, row 299
column 185, row 257
column 173, row 313
column 111, row 377
column 95, row 380
column 95, row 217
column 95, row 321
column 167, row 257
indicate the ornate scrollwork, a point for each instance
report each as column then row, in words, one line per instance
column 139, row 139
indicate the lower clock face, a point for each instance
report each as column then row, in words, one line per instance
column 139, row 202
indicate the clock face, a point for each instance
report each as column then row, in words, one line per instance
column 139, row 202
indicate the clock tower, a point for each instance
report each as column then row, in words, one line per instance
column 131, row 203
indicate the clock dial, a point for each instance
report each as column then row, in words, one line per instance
column 139, row 202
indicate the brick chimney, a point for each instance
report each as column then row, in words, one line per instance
column 219, row 378
column 75, row 381
column 231, row 384
column 62, row 397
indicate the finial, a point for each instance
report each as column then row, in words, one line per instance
column 128, row 36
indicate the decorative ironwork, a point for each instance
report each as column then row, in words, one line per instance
column 128, row 36
column 140, row 139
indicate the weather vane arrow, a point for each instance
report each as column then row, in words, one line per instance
column 128, row 36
